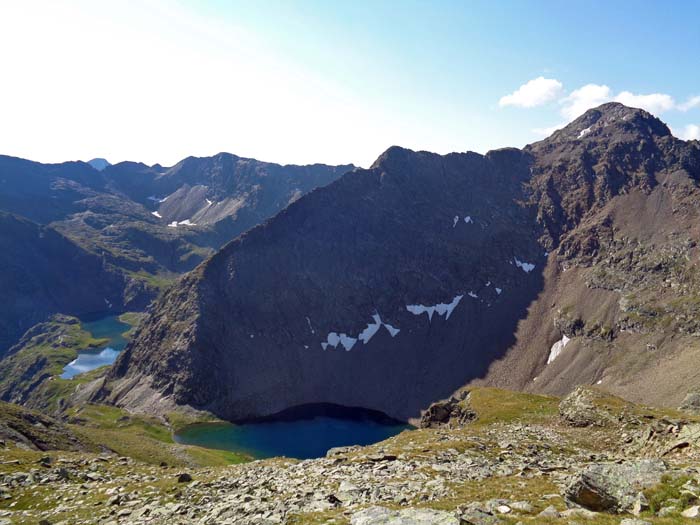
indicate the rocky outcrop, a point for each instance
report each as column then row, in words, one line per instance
column 612, row 487
column 585, row 406
column 691, row 403
column 32, row 430
column 455, row 412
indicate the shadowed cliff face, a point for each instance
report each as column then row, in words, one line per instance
column 395, row 285
column 260, row 326
column 43, row 272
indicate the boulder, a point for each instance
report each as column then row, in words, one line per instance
column 454, row 412
column 184, row 478
column 691, row 403
column 580, row 408
column 612, row 487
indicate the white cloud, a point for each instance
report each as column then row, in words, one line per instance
column 584, row 98
column 689, row 132
column 654, row 103
column 541, row 90
column 692, row 102
column 533, row 93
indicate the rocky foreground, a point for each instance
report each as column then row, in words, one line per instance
column 486, row 457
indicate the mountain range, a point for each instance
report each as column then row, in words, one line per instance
column 86, row 238
column 570, row 261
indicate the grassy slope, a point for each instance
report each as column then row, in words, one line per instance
column 45, row 354
column 142, row 438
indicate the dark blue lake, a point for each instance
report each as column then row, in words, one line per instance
column 109, row 327
column 301, row 439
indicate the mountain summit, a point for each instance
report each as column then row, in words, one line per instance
column 99, row 163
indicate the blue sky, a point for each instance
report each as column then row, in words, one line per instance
column 331, row 81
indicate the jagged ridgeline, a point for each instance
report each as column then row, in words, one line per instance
column 83, row 238
column 571, row 261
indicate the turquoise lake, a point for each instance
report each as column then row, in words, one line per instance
column 109, row 327
column 300, row 439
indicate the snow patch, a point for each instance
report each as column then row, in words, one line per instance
column 526, row 267
column 392, row 331
column 172, row 224
column 371, row 329
column 441, row 309
column 498, row 291
column 557, row 348
column 473, row 295
column 186, row 222
column 468, row 220
column 155, row 213
column 365, row 335
column 455, row 221
column 334, row 338
column 584, row 132
column 417, row 309
column 156, row 199
column 347, row 341
column 209, row 203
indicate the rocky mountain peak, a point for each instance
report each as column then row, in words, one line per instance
column 612, row 121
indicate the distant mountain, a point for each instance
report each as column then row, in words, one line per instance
column 571, row 261
column 99, row 164
column 111, row 217
column 224, row 188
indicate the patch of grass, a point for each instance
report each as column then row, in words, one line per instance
column 159, row 281
column 495, row 405
column 513, row 488
column 141, row 437
column 133, row 319
column 670, row 488
column 180, row 420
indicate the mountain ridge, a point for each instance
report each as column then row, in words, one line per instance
column 93, row 210
column 214, row 342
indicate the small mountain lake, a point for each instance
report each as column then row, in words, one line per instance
column 109, row 327
column 301, row 439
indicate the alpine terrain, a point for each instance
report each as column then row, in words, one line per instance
column 571, row 261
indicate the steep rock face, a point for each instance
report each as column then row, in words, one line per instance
column 383, row 290
column 482, row 264
column 618, row 197
column 44, row 273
